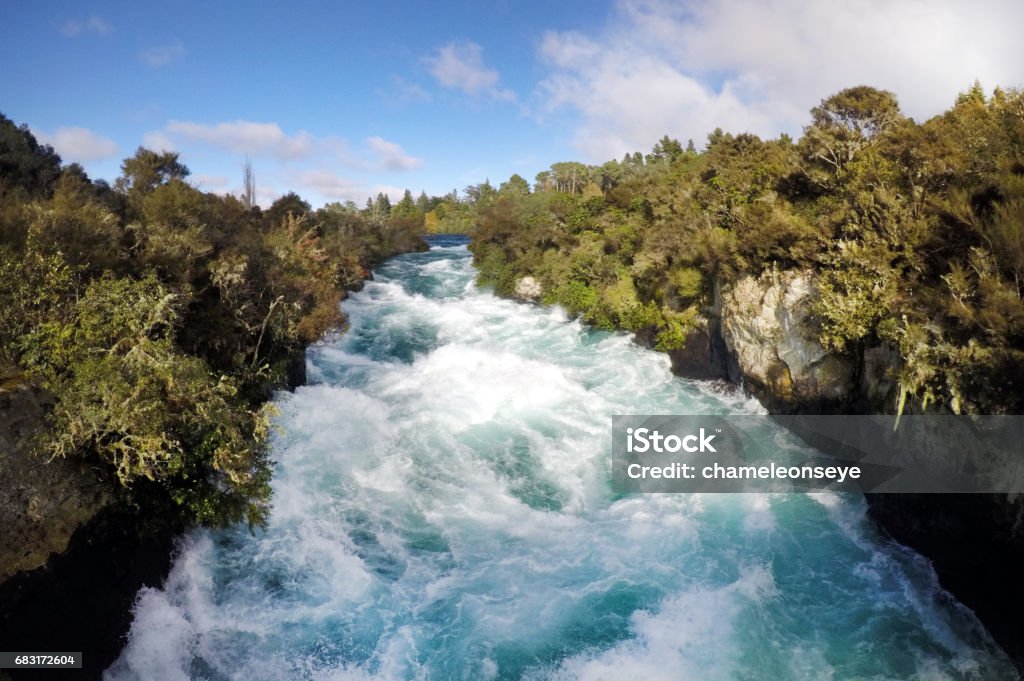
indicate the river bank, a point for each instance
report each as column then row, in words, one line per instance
column 75, row 558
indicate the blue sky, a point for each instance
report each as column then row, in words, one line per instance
column 340, row 100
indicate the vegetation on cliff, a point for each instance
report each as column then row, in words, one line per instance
column 160, row 317
column 915, row 233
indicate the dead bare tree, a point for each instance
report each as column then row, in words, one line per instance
column 249, row 185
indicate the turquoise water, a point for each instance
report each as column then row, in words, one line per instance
column 442, row 511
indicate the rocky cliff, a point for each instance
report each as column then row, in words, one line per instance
column 760, row 333
column 42, row 502
column 71, row 561
column 772, row 344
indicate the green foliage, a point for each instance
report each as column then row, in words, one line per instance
column 516, row 186
column 35, row 287
column 687, row 282
column 147, row 170
column 495, row 270
column 915, row 232
column 27, row 168
column 74, row 223
column 858, row 291
column 289, row 204
column 577, row 297
column 129, row 397
column 675, row 330
column 162, row 317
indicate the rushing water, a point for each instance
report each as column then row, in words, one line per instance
column 442, row 511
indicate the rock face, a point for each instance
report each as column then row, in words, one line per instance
column 71, row 563
column 704, row 356
column 764, row 324
column 976, row 545
column 773, row 347
column 82, row 598
column 42, row 503
column 528, row 290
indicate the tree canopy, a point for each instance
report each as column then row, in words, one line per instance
column 161, row 317
column 914, row 230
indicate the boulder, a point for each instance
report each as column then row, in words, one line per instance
column 528, row 290
column 770, row 333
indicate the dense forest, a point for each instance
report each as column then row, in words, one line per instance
column 161, row 318
column 914, row 233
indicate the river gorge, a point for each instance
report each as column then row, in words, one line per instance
column 442, row 510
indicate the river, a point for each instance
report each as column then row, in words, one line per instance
column 442, row 510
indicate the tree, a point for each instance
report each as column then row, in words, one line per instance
column 610, row 175
column 177, row 233
column 570, row 177
column 147, row 169
column 73, row 223
column 24, row 163
column 848, row 122
column 480, row 195
column 542, row 181
column 130, row 397
column 289, row 204
column 248, row 185
column 406, row 207
column 665, row 150
column 515, row 186
column 381, row 207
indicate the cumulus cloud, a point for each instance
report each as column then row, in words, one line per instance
column 760, row 65
column 244, row 137
column 285, row 161
column 219, row 184
column 460, row 66
column 392, row 156
column 394, row 193
column 157, row 57
column 330, row 186
column 268, row 140
column 79, row 144
column 158, row 141
column 94, row 25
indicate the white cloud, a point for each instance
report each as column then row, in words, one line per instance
column 285, row 161
column 245, row 137
column 265, row 196
column 79, row 144
column 460, row 66
column 760, row 65
column 217, row 184
column 405, row 92
column 158, row 141
column 394, row 193
column 391, row 155
column 268, row 140
column 157, row 57
column 331, row 186
column 94, row 25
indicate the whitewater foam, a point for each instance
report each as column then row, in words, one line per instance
column 442, row 510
